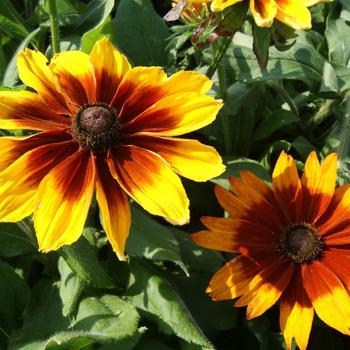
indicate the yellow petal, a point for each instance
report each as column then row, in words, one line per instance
column 294, row 13
column 27, row 110
column 19, row 182
column 296, row 314
column 176, row 115
column 318, row 185
column 12, row 147
column 329, row 297
column 114, row 208
column 109, row 66
column 220, row 5
column 148, row 179
column 63, row 202
column 264, row 11
column 34, row 72
column 188, row 158
column 75, row 77
column 287, row 188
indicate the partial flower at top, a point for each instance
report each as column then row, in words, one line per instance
column 104, row 128
column 293, row 13
column 294, row 245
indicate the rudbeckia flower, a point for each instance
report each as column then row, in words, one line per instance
column 294, row 13
column 104, row 128
column 294, row 245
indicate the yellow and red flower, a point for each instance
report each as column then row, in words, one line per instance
column 294, row 245
column 294, row 13
column 104, row 128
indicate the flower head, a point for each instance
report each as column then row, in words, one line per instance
column 293, row 241
column 104, row 128
column 294, row 13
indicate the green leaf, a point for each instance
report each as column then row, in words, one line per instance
column 261, row 45
column 82, row 259
column 338, row 38
column 88, row 39
column 140, row 33
column 150, row 239
column 234, row 166
column 330, row 82
column 11, row 73
column 150, row 291
column 223, row 315
column 273, row 122
column 8, row 10
column 71, row 287
column 43, row 317
column 301, row 62
column 14, row 294
column 303, row 146
column 12, row 29
column 100, row 320
column 14, row 242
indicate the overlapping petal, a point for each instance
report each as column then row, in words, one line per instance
column 63, row 201
column 294, row 13
column 264, row 11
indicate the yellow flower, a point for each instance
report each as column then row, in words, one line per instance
column 294, row 245
column 294, row 13
column 104, row 128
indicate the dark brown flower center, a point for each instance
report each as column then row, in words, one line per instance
column 96, row 127
column 301, row 243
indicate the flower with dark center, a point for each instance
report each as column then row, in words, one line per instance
column 105, row 129
column 293, row 241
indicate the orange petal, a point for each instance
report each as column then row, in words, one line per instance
column 188, row 158
column 109, row 66
column 33, row 70
column 255, row 204
column 228, row 201
column 114, row 207
column 266, row 287
column 19, row 182
column 12, row 147
column 223, row 241
column 220, row 5
column 329, row 298
column 176, row 115
column 26, row 110
column 294, row 13
column 339, row 264
column 232, row 279
column 264, row 12
column 75, row 77
column 148, row 179
column 296, row 313
column 63, row 201
column 318, row 184
column 287, row 188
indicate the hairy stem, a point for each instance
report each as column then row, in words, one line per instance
column 345, row 135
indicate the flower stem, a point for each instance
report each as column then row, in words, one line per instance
column 345, row 135
column 55, row 36
column 278, row 86
column 219, row 54
column 225, row 118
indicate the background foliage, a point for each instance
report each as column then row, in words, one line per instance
column 82, row 297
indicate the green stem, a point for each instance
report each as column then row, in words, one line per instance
column 55, row 36
column 278, row 86
column 345, row 136
column 225, row 118
column 219, row 54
